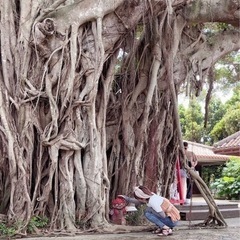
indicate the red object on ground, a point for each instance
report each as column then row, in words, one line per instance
column 118, row 211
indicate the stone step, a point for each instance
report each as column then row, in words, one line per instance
column 203, row 214
column 205, row 206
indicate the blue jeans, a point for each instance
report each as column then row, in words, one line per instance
column 158, row 220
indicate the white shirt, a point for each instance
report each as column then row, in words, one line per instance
column 155, row 202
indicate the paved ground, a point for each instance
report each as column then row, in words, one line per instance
column 184, row 231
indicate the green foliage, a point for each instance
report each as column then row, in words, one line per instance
column 191, row 120
column 214, row 27
column 223, row 119
column 210, row 173
column 230, row 122
column 194, row 132
column 235, row 99
column 136, row 218
column 36, row 222
column 181, row 111
column 7, row 231
column 228, row 186
column 216, row 111
column 227, row 71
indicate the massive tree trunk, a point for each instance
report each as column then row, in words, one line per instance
column 88, row 100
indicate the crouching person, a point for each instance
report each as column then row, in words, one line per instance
column 159, row 210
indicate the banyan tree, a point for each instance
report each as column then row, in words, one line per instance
column 88, row 100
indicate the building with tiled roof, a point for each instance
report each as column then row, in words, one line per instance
column 205, row 154
column 205, row 157
column 229, row 145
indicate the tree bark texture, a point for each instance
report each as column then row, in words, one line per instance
column 87, row 106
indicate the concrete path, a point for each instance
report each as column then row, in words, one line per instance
column 182, row 232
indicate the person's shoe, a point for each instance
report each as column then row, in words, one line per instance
column 187, row 201
column 166, row 232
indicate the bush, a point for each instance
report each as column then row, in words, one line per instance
column 136, row 218
column 36, row 222
column 6, row 231
column 228, row 186
column 210, row 173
